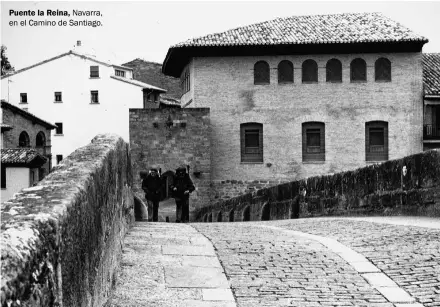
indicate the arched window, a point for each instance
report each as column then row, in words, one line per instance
column 309, row 71
column 358, row 70
column 40, row 140
column 261, row 73
column 285, row 72
column 382, row 69
column 23, row 140
column 334, row 71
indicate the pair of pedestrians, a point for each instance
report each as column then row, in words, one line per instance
column 181, row 187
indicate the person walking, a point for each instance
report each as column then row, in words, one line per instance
column 181, row 188
column 152, row 186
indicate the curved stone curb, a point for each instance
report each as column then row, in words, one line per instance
column 219, row 294
column 372, row 274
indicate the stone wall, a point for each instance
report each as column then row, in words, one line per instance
column 409, row 186
column 61, row 240
column 343, row 107
column 184, row 141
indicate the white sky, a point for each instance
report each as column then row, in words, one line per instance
column 147, row 29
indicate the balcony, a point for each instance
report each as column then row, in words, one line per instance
column 431, row 132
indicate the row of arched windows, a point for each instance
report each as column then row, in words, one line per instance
column 24, row 140
column 358, row 71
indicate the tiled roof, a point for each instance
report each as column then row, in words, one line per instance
column 314, row 29
column 21, row 156
column 431, row 73
column 169, row 101
column 15, row 109
column 139, row 83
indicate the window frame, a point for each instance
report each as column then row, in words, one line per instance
column 120, row 73
column 306, row 67
column 59, row 130
column 376, row 155
column 60, row 94
column 310, row 156
column 23, row 98
column 94, row 71
column 261, row 73
column 353, row 77
column 288, row 65
column 40, row 133
column 92, row 94
column 59, row 158
column 330, row 71
column 3, row 177
column 377, row 69
column 185, row 81
column 251, row 156
column 27, row 140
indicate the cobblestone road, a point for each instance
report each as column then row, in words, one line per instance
column 408, row 255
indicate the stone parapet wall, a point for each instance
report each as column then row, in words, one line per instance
column 61, row 239
column 410, row 186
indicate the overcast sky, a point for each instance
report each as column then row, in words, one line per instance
column 147, row 29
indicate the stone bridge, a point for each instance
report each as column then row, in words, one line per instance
column 72, row 240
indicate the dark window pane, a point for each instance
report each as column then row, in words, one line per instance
column 94, row 71
column 309, row 71
column 334, row 71
column 251, row 138
column 285, row 72
column 358, row 70
column 313, row 137
column 261, row 73
column 23, row 140
column 377, row 136
column 59, row 128
column 382, row 70
column 23, row 97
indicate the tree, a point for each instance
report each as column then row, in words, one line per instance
column 6, row 66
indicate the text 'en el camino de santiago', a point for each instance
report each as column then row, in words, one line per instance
column 55, row 13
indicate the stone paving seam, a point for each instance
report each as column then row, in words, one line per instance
column 372, row 274
column 221, row 263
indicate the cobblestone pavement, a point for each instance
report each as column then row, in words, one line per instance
column 410, row 256
column 268, row 267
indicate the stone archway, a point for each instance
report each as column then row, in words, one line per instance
column 247, row 214
column 231, row 215
column 210, row 217
column 205, row 218
column 220, row 216
column 265, row 212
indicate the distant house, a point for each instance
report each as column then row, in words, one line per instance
column 20, row 169
column 82, row 95
column 21, row 129
column 302, row 96
column 431, row 98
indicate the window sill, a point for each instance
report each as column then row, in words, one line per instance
column 382, row 81
column 313, row 162
column 358, row 81
column 334, row 81
column 285, row 83
column 23, row 103
column 251, row 162
column 94, row 103
column 94, row 78
column 309, row 82
column 58, row 134
column 57, row 102
column 261, row 83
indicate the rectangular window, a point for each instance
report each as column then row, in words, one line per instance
column 313, row 141
column 3, row 183
column 185, row 81
column 58, row 97
column 23, row 98
column 120, row 73
column 94, row 97
column 376, row 141
column 59, row 159
column 94, row 71
column 251, row 138
column 59, row 128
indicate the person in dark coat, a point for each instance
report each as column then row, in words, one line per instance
column 181, row 188
column 152, row 186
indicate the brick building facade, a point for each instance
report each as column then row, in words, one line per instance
column 303, row 96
